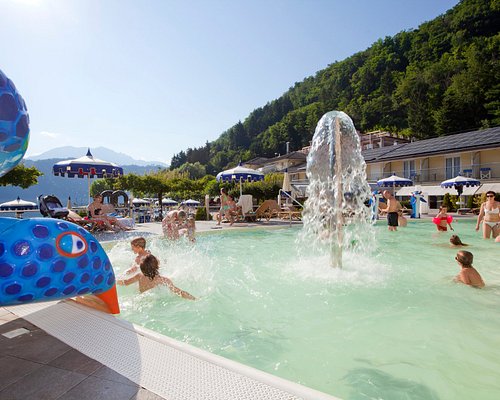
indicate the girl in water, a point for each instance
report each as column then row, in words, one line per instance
column 443, row 220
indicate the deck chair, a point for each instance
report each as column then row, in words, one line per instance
column 268, row 209
column 291, row 213
column 51, row 206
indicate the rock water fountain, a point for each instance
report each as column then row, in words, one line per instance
column 335, row 215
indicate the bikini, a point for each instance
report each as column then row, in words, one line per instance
column 496, row 211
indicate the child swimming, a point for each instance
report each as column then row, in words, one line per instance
column 468, row 274
column 150, row 277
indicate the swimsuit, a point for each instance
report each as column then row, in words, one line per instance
column 491, row 224
column 392, row 218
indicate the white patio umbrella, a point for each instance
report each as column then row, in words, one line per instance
column 394, row 181
column 240, row 174
column 169, row 202
column 140, row 202
column 18, row 205
column 287, row 186
column 191, row 203
column 458, row 184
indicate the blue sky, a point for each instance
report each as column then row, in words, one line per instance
column 150, row 78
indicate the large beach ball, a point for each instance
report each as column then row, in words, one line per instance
column 14, row 125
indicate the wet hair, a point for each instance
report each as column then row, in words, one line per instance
column 181, row 214
column 150, row 266
column 139, row 242
column 443, row 207
column 491, row 192
column 465, row 258
column 454, row 239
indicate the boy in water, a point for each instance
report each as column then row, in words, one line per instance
column 150, row 278
column 138, row 246
column 468, row 273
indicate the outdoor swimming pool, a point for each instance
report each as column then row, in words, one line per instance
column 390, row 325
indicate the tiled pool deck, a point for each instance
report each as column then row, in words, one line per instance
column 35, row 365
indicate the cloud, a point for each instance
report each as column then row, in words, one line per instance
column 51, row 135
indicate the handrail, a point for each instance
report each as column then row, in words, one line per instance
column 290, row 197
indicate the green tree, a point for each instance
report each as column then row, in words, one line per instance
column 21, row 176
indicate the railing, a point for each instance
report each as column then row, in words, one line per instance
column 288, row 195
column 482, row 171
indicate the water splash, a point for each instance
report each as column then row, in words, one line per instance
column 335, row 216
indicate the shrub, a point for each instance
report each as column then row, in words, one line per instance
column 201, row 214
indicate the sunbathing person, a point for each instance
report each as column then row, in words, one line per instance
column 150, row 278
column 468, row 274
column 98, row 211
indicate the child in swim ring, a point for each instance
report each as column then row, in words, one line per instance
column 443, row 220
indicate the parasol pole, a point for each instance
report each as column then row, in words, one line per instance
column 88, row 180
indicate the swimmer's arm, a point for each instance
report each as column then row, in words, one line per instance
column 128, row 281
column 134, row 268
column 480, row 216
column 176, row 290
column 462, row 278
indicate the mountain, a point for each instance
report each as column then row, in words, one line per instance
column 438, row 79
column 62, row 187
column 102, row 153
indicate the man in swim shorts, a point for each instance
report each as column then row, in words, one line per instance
column 393, row 206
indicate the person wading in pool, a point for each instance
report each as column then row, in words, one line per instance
column 150, row 277
column 393, row 206
column 138, row 246
column 468, row 274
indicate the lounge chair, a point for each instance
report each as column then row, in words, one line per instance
column 290, row 213
column 268, row 209
column 51, row 206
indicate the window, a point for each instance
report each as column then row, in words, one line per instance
column 452, row 167
column 409, row 169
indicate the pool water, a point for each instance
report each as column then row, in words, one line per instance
column 390, row 325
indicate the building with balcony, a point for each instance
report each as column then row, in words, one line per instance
column 429, row 162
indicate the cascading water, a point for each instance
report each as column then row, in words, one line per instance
column 335, row 215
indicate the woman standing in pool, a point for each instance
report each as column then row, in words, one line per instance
column 489, row 214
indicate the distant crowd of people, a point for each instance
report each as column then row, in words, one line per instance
column 489, row 216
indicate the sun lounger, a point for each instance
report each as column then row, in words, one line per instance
column 268, row 209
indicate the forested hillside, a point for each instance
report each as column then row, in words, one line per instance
column 441, row 78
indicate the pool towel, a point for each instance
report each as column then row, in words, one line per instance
column 246, row 203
